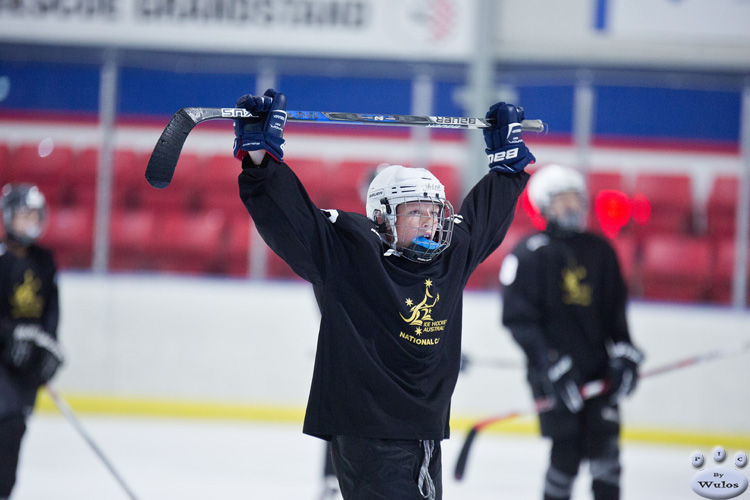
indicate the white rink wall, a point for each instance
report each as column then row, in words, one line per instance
column 252, row 343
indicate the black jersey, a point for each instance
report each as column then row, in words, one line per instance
column 28, row 295
column 389, row 342
column 565, row 292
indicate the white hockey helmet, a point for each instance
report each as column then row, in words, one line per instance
column 19, row 199
column 552, row 180
column 395, row 185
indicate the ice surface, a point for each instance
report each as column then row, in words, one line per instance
column 185, row 459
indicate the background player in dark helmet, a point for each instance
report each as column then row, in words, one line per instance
column 564, row 301
column 389, row 343
column 29, row 354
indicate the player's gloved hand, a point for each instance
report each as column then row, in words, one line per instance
column 623, row 370
column 563, row 384
column 35, row 353
column 506, row 151
column 265, row 130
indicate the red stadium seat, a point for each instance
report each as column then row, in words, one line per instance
column 315, row 176
column 216, row 185
column 349, row 181
column 671, row 200
column 70, row 235
column 626, row 247
column 723, row 273
column 49, row 169
column 83, row 177
column 183, row 193
column 486, row 275
column 189, row 242
column 236, row 249
column 450, row 177
column 131, row 232
column 676, row 268
column 4, row 164
column 721, row 207
column 128, row 179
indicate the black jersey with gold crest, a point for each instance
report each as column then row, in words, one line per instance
column 563, row 291
column 389, row 341
column 28, row 295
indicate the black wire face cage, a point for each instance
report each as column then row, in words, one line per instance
column 422, row 248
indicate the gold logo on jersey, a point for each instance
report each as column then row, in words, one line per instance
column 574, row 291
column 25, row 301
column 420, row 317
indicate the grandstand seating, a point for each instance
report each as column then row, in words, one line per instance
column 236, row 246
column 676, row 267
column 198, row 224
column 348, row 183
column 671, row 200
column 70, row 234
column 486, row 275
column 723, row 273
column 4, row 164
column 49, row 170
column 188, row 242
column 721, row 207
column 131, row 233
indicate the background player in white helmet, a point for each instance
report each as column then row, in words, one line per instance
column 29, row 354
column 389, row 285
column 564, row 301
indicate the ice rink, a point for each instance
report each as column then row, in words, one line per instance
column 185, row 459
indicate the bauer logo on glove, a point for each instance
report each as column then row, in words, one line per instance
column 506, row 151
column 264, row 128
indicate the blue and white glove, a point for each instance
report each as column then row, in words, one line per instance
column 506, row 151
column 265, row 131
column 624, row 359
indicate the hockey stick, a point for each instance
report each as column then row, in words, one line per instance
column 68, row 412
column 588, row 391
column 164, row 157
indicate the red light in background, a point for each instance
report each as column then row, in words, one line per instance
column 536, row 217
column 612, row 209
column 641, row 208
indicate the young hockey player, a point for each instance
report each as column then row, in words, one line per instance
column 564, row 302
column 29, row 354
column 389, row 285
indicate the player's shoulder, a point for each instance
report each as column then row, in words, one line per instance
column 42, row 254
column 531, row 243
column 595, row 241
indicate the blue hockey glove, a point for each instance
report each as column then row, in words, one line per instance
column 265, row 130
column 623, row 371
column 506, row 151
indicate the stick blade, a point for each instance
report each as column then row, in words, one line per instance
column 163, row 161
column 464, row 455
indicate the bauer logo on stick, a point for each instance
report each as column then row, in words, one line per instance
column 236, row 113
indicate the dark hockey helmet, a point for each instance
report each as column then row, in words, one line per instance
column 24, row 211
column 396, row 185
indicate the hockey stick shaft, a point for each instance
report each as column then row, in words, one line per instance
column 588, row 391
column 163, row 161
column 70, row 416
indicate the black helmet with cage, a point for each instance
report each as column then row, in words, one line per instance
column 24, row 210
